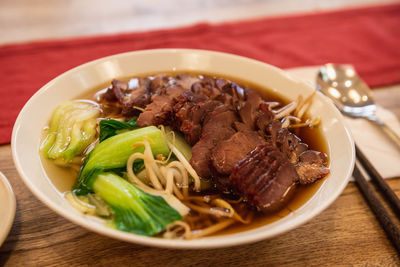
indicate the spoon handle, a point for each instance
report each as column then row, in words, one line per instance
column 394, row 137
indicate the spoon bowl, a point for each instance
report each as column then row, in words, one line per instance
column 351, row 95
column 347, row 90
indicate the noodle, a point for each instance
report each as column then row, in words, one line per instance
column 304, row 106
column 309, row 123
column 286, row 110
column 184, row 175
column 213, row 229
column 80, row 205
column 172, row 230
column 167, row 178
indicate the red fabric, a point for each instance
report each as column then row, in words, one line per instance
column 369, row 38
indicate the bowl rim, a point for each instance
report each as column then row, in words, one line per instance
column 203, row 243
column 12, row 202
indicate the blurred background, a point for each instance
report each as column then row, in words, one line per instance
column 26, row 20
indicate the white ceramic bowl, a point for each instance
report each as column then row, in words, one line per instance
column 71, row 84
column 7, row 207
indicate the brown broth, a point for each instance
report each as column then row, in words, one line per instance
column 63, row 178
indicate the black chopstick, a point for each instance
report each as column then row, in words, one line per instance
column 390, row 227
column 379, row 181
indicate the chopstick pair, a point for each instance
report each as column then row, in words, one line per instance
column 389, row 225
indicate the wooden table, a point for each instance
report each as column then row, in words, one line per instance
column 347, row 233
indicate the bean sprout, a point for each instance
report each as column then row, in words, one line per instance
column 292, row 114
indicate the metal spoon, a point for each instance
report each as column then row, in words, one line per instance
column 351, row 95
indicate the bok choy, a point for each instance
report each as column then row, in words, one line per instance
column 72, row 129
column 134, row 210
column 110, row 127
column 113, row 153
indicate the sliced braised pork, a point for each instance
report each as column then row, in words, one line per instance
column 190, row 111
column 159, row 111
column 311, row 166
column 236, row 140
column 135, row 93
column 290, row 144
column 217, row 127
column 227, row 153
column 265, row 178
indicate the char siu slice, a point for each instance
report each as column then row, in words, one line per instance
column 311, row 166
column 227, row 153
column 159, row 82
column 254, row 112
column 186, row 80
column 248, row 110
column 190, row 111
column 209, row 87
column 217, row 127
column 159, row 111
column 265, row 178
column 135, row 93
column 290, row 144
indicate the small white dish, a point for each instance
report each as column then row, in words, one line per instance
column 8, row 205
column 72, row 84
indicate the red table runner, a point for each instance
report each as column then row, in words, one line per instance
column 368, row 38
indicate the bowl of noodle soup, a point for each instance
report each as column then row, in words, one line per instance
column 39, row 176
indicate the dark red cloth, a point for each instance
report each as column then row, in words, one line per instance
column 369, row 38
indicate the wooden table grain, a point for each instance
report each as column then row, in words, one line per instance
column 346, row 233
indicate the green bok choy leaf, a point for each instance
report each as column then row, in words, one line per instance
column 72, row 129
column 110, row 127
column 113, row 153
column 134, row 210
